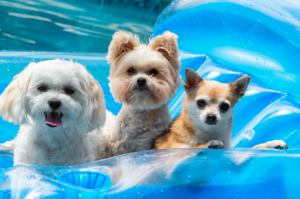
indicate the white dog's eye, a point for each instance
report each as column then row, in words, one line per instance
column 42, row 88
column 69, row 91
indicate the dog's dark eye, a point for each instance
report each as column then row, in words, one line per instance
column 69, row 91
column 224, row 107
column 131, row 71
column 201, row 103
column 153, row 72
column 42, row 88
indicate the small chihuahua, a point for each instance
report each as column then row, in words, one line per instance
column 143, row 78
column 207, row 116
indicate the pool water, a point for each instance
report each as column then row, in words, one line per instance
column 70, row 25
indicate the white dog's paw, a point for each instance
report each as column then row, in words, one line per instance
column 9, row 144
column 214, row 144
column 275, row 144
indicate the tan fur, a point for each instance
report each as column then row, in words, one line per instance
column 182, row 132
column 122, row 42
column 144, row 115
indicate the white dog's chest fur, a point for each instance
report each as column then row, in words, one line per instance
column 69, row 147
column 137, row 130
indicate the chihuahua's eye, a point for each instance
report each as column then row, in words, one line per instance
column 201, row 103
column 224, row 107
column 131, row 71
column 69, row 91
column 153, row 72
column 42, row 88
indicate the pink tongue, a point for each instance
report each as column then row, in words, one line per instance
column 53, row 119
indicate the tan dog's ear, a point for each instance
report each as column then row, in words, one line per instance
column 12, row 100
column 192, row 79
column 239, row 86
column 122, row 42
column 166, row 44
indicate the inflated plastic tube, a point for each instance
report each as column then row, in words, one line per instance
column 261, row 115
column 258, row 37
column 185, row 173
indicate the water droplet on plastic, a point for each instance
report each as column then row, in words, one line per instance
column 248, row 135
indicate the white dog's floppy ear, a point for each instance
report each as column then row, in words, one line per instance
column 12, row 100
column 122, row 42
column 192, row 79
column 167, row 45
column 94, row 115
column 239, row 86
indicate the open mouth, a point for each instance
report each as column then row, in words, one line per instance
column 53, row 119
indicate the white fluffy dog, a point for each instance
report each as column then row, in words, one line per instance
column 57, row 103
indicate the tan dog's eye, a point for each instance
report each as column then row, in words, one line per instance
column 69, row 91
column 42, row 88
column 153, row 72
column 201, row 103
column 224, row 107
column 131, row 71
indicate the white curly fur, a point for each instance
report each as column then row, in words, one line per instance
column 77, row 140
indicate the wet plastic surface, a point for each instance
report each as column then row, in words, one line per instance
column 185, row 173
column 258, row 37
column 246, row 41
column 263, row 114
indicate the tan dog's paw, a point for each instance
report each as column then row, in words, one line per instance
column 275, row 144
column 214, row 144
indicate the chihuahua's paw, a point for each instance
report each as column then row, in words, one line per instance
column 214, row 144
column 275, row 144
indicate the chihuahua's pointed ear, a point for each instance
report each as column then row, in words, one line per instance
column 122, row 42
column 94, row 114
column 192, row 79
column 240, row 85
column 167, row 45
column 12, row 100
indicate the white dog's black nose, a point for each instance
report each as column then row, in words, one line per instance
column 54, row 104
column 211, row 119
column 141, row 81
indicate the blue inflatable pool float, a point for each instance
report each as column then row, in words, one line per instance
column 221, row 40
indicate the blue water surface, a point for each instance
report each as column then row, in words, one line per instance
column 70, row 25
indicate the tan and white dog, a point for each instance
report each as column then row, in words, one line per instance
column 143, row 78
column 207, row 116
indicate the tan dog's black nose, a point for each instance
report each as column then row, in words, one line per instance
column 141, row 81
column 54, row 104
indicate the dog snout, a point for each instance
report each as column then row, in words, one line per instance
column 54, row 104
column 141, row 81
column 211, row 119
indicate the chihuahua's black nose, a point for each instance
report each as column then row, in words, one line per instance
column 54, row 104
column 211, row 119
column 141, row 81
